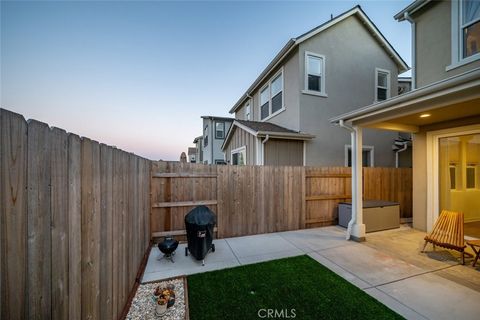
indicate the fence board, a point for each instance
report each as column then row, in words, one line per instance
column 39, row 269
column 59, row 222
column 106, row 212
column 74, row 227
column 90, row 229
column 13, row 215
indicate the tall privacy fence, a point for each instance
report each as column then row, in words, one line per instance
column 74, row 223
column 262, row 199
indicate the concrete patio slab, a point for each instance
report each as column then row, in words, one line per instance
column 435, row 297
column 311, row 240
column 394, row 304
column 371, row 265
column 262, row 244
column 156, row 269
column 340, row 271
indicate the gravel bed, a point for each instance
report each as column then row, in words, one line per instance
column 143, row 307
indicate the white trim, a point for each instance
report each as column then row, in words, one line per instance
column 315, row 93
column 268, row 85
column 364, row 148
column 238, row 150
column 274, row 114
column 323, row 77
column 377, row 71
column 457, row 38
column 432, row 167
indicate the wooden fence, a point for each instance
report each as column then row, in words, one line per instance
column 74, row 223
column 263, row 199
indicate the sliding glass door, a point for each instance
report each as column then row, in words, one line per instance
column 459, row 178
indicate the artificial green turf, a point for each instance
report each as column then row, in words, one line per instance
column 299, row 283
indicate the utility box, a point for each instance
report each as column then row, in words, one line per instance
column 377, row 215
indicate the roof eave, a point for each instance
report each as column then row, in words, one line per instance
column 410, row 9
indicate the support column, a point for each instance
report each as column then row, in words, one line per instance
column 356, row 228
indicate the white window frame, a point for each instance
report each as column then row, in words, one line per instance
column 216, row 137
column 457, row 37
column 433, row 190
column 248, row 110
column 474, row 167
column 377, row 71
column 238, row 150
column 348, row 147
column 268, row 84
column 323, row 77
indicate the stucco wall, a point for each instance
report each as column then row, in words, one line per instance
column 433, row 44
column 351, row 56
column 419, row 171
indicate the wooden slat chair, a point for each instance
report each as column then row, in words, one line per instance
column 448, row 232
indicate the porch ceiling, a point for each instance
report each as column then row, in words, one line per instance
column 412, row 122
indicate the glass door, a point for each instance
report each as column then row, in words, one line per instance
column 459, row 179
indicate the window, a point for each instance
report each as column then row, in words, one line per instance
column 239, row 156
column 465, row 32
column 453, row 176
column 247, row 111
column 367, row 156
column 205, row 136
column 471, row 176
column 470, row 27
column 271, row 97
column 219, row 130
column 382, row 84
column 314, row 73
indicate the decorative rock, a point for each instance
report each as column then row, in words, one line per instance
column 143, row 307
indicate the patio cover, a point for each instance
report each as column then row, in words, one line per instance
column 453, row 99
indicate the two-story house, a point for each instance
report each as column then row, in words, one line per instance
column 283, row 116
column 214, row 132
column 442, row 113
column 198, row 141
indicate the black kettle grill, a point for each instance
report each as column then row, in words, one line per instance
column 168, row 247
column 199, row 224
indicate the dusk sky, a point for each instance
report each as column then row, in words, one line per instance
column 138, row 75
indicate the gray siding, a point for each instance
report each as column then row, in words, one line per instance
column 239, row 139
column 283, row 152
column 433, row 44
column 351, row 56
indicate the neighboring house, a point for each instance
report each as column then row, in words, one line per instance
column 214, row 132
column 328, row 70
column 198, row 141
column 192, row 155
column 404, row 85
column 442, row 112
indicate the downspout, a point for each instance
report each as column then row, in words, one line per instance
column 267, row 137
column 407, row 17
column 405, row 146
column 354, row 216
